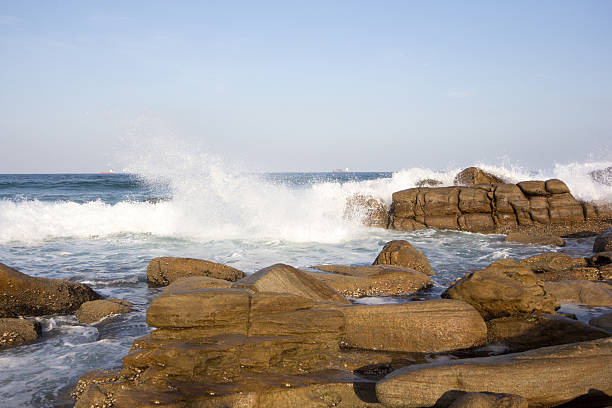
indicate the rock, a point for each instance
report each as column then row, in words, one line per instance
column 428, row 183
column 376, row 280
column 474, row 175
column 555, row 186
column 23, row 295
column 283, row 278
column 504, row 288
column 15, row 332
column 196, row 282
column 511, row 206
column 552, row 262
column 165, row 270
column 368, row 210
column 601, row 259
column 578, row 273
column 603, row 322
column 489, row 400
column 578, row 369
column 533, row 188
column 422, row 327
column 530, row 332
column 544, row 239
column 580, row 291
column 95, row 310
column 564, row 208
column 401, row 253
column 603, row 242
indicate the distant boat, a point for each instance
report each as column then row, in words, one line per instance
column 345, row 170
column 111, row 171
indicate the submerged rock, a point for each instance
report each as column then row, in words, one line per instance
column 95, row 310
column 539, row 239
column 24, row 295
column 546, row 377
column 165, row 270
column 375, row 280
column 401, row 253
column 504, row 288
column 15, row 332
column 473, row 175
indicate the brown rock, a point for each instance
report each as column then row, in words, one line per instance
column 603, row 242
column 504, row 288
column 580, row 291
column 564, row 208
column 474, row 200
column 422, row 327
column 405, row 203
column 23, row 295
column 489, row 400
column 95, row 310
column 578, row 368
column 603, row 322
column 401, row 253
column 474, row 175
column 439, row 201
column 555, row 186
column 533, row 188
column 552, row 262
column 376, row 280
column 530, row 332
column 368, row 210
column 578, row 273
column 476, row 222
column 538, row 210
column 196, row 282
column 601, row 259
column 282, row 278
column 15, row 332
column 165, row 270
column 510, row 200
column 527, row 238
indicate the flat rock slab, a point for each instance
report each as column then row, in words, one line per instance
column 15, row 332
column 376, row 280
column 196, row 282
column 581, row 291
column 420, row 327
column 165, row 270
column 24, row 295
column 489, row 400
column 545, row 377
column 538, row 239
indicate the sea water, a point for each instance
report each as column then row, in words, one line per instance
column 102, row 230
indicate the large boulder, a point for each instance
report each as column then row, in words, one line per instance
column 581, row 291
column 603, row 242
column 504, row 288
column 95, row 310
column 24, row 295
column 546, row 377
column 165, row 270
column 15, row 332
column 473, row 175
column 401, row 253
column 283, row 278
column 422, row 327
column 529, row 332
column 375, row 280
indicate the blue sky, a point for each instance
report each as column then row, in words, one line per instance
column 306, row 86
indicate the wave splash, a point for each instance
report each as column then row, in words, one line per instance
column 212, row 200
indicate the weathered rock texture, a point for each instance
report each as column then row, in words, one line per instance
column 367, row 209
column 489, row 207
column 165, row 270
column 504, row 288
column 24, row 295
column 543, row 239
column 95, row 310
column 376, row 280
column 15, row 332
column 489, row 400
column 603, row 322
column 581, row 291
column 555, row 266
column 473, row 176
column 530, row 332
column 603, row 242
column 401, row 253
column 545, row 377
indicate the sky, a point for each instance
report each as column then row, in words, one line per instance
column 306, row 85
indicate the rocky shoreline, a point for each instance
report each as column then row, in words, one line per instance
column 284, row 336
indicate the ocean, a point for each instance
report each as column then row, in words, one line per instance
column 102, row 230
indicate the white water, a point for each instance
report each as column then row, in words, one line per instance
column 211, row 201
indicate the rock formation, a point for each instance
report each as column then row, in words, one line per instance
column 165, row 270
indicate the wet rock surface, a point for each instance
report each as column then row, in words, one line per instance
column 24, row 295
column 401, row 253
column 95, row 310
column 15, row 332
column 165, row 270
